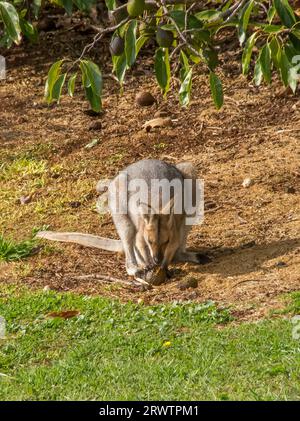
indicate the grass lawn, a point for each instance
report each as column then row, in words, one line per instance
column 114, row 351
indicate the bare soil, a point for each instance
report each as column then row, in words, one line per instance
column 252, row 234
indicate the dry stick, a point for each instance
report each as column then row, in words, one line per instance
column 246, row 280
column 109, row 279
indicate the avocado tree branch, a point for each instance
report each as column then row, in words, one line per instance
column 182, row 37
column 101, row 32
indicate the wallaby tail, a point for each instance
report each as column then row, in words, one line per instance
column 87, row 240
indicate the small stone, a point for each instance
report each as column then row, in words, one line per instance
column 46, row 288
column 95, row 125
column 291, row 190
column 188, row 282
column 74, row 204
column 247, row 182
column 145, row 99
column 210, row 205
column 281, row 264
column 25, row 199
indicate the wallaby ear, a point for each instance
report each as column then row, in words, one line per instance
column 168, row 209
column 171, row 221
column 146, row 212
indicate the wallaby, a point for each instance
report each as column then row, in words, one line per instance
column 150, row 236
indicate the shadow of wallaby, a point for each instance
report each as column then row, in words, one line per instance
column 246, row 258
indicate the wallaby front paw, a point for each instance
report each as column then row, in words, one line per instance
column 131, row 269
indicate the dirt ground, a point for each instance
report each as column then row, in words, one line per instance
column 252, row 234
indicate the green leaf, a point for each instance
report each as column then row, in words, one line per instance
column 94, row 100
column 36, row 7
column 271, row 14
column 284, row 65
column 53, row 75
column 293, row 77
column 185, row 62
column 265, row 62
column 68, row 5
column 216, row 90
column 247, row 53
column 71, row 85
column 11, row 21
column 285, row 12
column 29, row 30
column 185, row 89
column 84, row 5
column 139, row 44
column 295, row 41
column 111, row 4
column 274, row 50
column 92, row 83
column 162, row 68
column 207, row 14
column 130, row 43
column 93, row 76
column 258, row 74
column 119, row 67
column 57, row 88
column 192, row 21
column 244, row 21
column 211, row 57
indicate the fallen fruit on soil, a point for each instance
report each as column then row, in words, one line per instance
column 164, row 38
column 117, row 46
column 158, row 276
column 188, row 282
column 135, row 7
column 145, row 99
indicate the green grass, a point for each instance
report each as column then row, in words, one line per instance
column 127, row 351
column 22, row 168
column 11, row 250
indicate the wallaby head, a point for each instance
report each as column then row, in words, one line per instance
column 157, row 230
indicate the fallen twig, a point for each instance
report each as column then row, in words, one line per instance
column 110, row 279
column 246, row 280
column 102, row 278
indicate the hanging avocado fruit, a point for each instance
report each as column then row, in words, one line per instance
column 164, row 38
column 117, row 46
column 135, row 7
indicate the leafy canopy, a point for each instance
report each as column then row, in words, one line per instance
column 186, row 32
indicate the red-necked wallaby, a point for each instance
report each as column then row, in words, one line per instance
column 152, row 233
